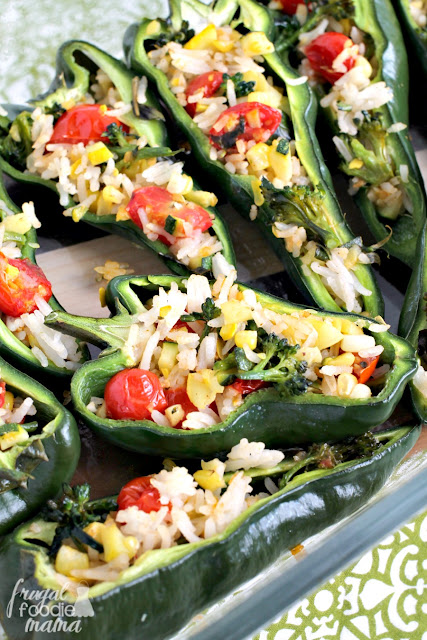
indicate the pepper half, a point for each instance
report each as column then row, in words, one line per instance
column 413, row 325
column 77, row 62
column 11, row 347
column 381, row 149
column 306, row 505
column 34, row 470
column 317, row 204
column 310, row 417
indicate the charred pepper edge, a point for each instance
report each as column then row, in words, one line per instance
column 259, row 412
column 62, row 446
column 11, row 347
column 242, row 548
column 69, row 75
column 239, row 188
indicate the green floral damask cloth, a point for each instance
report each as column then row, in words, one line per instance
column 381, row 597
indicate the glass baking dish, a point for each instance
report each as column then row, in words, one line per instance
column 27, row 70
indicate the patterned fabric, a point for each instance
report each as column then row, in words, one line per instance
column 382, row 597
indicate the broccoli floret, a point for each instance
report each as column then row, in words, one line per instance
column 279, row 365
column 370, row 147
column 302, row 205
column 242, row 88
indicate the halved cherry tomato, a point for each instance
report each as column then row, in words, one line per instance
column 180, row 396
column 363, row 368
column 323, row 50
column 260, row 122
column 290, row 6
column 140, row 493
column 209, row 82
column 158, row 204
column 2, row 392
column 84, row 123
column 20, row 282
column 133, row 394
column 249, row 386
column 180, row 324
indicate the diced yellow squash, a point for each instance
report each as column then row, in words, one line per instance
column 311, row 355
column 246, row 337
column 132, row 546
column 9, row 440
column 256, row 43
column 167, row 359
column 175, row 413
column 18, row 223
column 272, row 97
column 209, row 479
column 224, row 46
column 228, row 330
column 236, row 311
column 112, row 195
column 69, row 559
column 204, row 39
column 343, row 360
column 114, row 543
column 195, row 262
column 98, row 153
column 8, row 401
column 95, row 530
column 122, row 214
column 203, row 387
column 258, row 156
column 260, row 80
column 327, row 335
column 349, row 328
column 280, row 163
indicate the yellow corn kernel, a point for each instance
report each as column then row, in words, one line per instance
column 204, row 39
column 258, row 156
column 163, row 311
column 74, row 167
column 67, row 559
column 98, row 153
column 253, row 118
column 78, row 213
column 103, row 108
column 356, row 163
column 112, row 195
column 11, row 272
column 361, row 392
column 257, row 192
column 152, row 27
column 102, row 299
column 202, row 388
column 95, row 530
column 343, row 360
column 175, row 413
column 208, row 479
column 280, row 163
column 345, row 384
column 8, row 401
column 235, row 311
column 8, row 440
column 246, row 337
column 113, row 542
column 256, row 44
column 201, row 108
column 349, row 328
column 228, row 331
column 122, row 213
column 18, row 223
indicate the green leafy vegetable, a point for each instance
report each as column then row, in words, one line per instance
column 16, row 145
column 54, row 110
column 241, row 87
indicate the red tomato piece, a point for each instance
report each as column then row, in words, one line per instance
column 2, row 392
column 260, row 122
column 133, row 394
column 290, row 6
column 363, row 368
column 209, row 82
column 84, row 123
column 180, row 396
column 322, row 52
column 158, row 204
column 20, row 282
column 249, row 386
column 180, row 324
column 140, row 493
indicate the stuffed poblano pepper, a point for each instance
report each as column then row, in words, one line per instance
column 26, row 298
column 39, row 446
column 193, row 366
column 98, row 139
column 216, row 69
column 200, row 534
column 413, row 14
column 413, row 326
column 352, row 53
